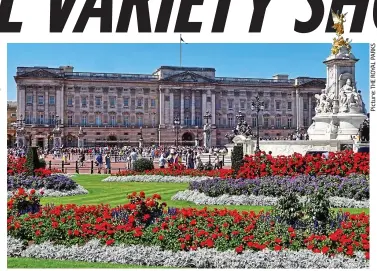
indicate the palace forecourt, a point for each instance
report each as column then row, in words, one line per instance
column 119, row 109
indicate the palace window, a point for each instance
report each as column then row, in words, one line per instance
column 230, row 121
column 209, row 99
column 140, row 120
column 218, row 105
column 112, row 120
column 83, row 102
column 41, row 119
column 266, row 105
column 278, row 122
column 126, row 121
column 29, row 99
column 98, row 120
column 84, row 120
column 277, row 105
column 313, row 104
column 198, row 121
column 69, row 101
column 125, row 102
column 27, row 118
column 51, row 100
column 306, row 122
column 242, row 103
column 98, row 101
column 70, row 120
column 230, row 104
column 153, row 102
column 289, row 105
column 305, row 105
column 187, row 121
column 289, row 123
column 254, row 122
column 112, row 101
column 139, row 102
column 40, row 100
column 51, row 119
column 265, row 122
column 187, row 102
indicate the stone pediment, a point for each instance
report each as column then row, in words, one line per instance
column 317, row 83
column 39, row 73
column 188, row 77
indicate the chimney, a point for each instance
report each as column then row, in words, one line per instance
column 280, row 77
column 66, row 68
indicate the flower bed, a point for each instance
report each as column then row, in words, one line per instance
column 178, row 171
column 56, row 185
column 146, row 222
column 341, row 163
column 155, row 179
column 94, row 251
column 252, row 200
column 353, row 186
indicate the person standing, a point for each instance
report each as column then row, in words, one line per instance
column 133, row 156
column 190, row 160
column 162, row 161
column 99, row 162
column 108, row 163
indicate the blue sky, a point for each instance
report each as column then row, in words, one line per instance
column 231, row 60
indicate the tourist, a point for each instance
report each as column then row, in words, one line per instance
column 190, row 160
column 162, row 161
column 108, row 162
column 99, row 163
column 133, row 157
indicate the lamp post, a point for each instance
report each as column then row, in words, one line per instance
column 20, row 132
column 154, row 119
column 207, row 116
column 177, row 123
column 197, row 136
column 258, row 106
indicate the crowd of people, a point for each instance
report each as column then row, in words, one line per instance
column 103, row 157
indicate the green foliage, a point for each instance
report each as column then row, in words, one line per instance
column 289, row 209
column 32, row 160
column 143, row 164
column 42, row 163
column 318, row 206
column 237, row 158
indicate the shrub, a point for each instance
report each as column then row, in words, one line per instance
column 32, row 160
column 289, row 209
column 318, row 208
column 237, row 158
column 143, row 164
column 42, row 163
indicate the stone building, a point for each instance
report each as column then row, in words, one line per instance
column 11, row 122
column 112, row 108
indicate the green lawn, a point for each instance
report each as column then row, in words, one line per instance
column 115, row 194
column 41, row 263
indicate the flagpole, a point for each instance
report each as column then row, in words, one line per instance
column 180, row 50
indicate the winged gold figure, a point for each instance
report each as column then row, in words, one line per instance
column 339, row 20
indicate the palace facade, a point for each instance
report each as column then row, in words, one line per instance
column 115, row 108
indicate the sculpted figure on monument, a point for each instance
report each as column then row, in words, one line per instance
column 321, row 102
column 347, row 88
column 343, row 102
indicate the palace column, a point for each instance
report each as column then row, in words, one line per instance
column 192, row 108
column 21, row 101
column 182, row 106
column 204, row 103
column 46, row 119
column 35, row 101
column 171, row 104
column 310, row 110
column 162, row 108
column 297, row 109
column 301, row 99
column 61, row 113
column 213, row 104
column 294, row 110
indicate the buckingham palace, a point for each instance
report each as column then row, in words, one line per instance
column 121, row 109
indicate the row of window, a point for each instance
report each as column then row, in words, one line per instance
column 41, row 100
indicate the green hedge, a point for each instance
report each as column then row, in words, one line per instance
column 237, row 158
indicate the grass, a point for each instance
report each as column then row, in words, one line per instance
column 42, row 263
column 114, row 193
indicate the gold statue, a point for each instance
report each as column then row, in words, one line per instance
column 339, row 20
column 339, row 42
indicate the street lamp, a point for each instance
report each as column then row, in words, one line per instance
column 258, row 106
column 177, row 123
column 154, row 119
column 141, row 133
column 207, row 116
